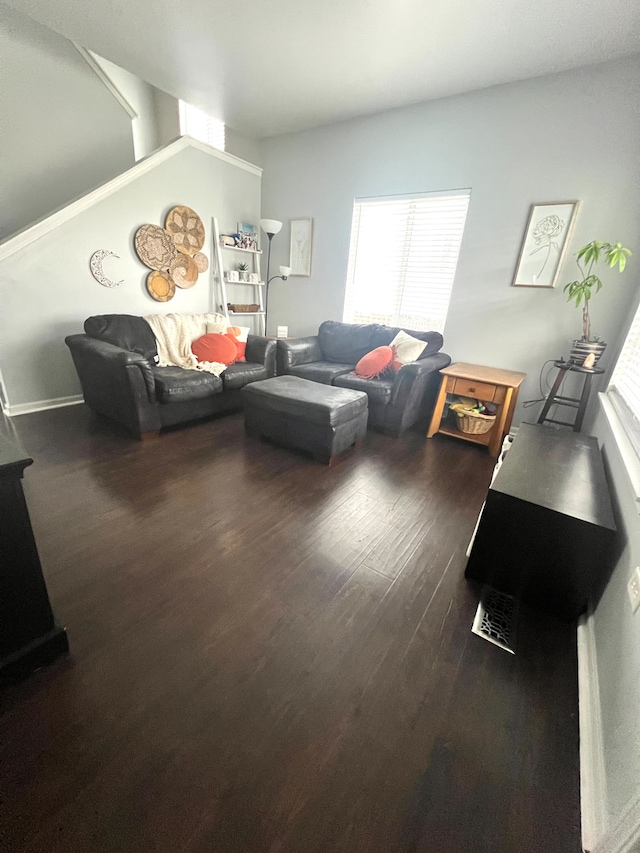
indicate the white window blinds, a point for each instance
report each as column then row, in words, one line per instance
column 625, row 382
column 403, row 257
column 201, row 126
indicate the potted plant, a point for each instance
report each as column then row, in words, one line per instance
column 581, row 291
column 243, row 269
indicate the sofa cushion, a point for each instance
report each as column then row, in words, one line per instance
column 312, row 402
column 384, row 335
column 125, row 331
column 346, row 343
column 177, row 385
column 241, row 373
column 320, row 371
column 377, row 390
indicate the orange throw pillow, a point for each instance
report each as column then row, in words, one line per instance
column 214, row 347
column 242, row 346
column 374, row 363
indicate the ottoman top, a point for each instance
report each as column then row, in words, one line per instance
column 310, row 401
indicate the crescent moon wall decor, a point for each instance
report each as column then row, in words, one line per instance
column 95, row 264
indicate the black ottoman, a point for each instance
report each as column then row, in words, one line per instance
column 306, row 415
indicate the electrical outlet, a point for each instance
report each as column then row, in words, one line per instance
column 633, row 588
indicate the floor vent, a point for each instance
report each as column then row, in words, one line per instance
column 496, row 618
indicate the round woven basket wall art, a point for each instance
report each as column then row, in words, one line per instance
column 184, row 271
column 155, row 247
column 160, row 286
column 202, row 261
column 186, row 228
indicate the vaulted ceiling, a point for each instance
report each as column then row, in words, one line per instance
column 272, row 66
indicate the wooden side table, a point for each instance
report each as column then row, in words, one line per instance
column 489, row 384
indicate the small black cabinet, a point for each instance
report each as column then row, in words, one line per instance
column 29, row 634
column 546, row 534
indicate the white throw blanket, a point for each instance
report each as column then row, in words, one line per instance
column 175, row 333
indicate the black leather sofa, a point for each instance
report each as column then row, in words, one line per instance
column 396, row 401
column 116, row 363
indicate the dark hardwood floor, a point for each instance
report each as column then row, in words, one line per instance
column 272, row 656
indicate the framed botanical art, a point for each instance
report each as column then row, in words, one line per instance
column 545, row 240
column 300, row 252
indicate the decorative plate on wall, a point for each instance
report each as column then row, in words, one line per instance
column 154, row 247
column 186, row 228
column 184, row 271
column 160, row 286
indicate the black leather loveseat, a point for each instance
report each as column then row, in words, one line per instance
column 396, row 401
column 116, row 363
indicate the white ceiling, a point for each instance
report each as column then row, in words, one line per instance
column 271, row 66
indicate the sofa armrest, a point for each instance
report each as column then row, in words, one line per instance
column 111, row 357
column 117, row 383
column 417, row 374
column 261, row 350
column 298, row 351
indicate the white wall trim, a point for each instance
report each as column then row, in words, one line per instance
column 41, row 405
column 593, row 783
column 93, row 62
column 38, row 229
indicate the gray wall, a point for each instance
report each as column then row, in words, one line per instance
column 47, row 291
column 62, row 133
column 567, row 136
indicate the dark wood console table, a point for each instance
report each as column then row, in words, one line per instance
column 547, row 530
column 29, row 633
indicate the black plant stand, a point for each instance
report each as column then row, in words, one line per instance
column 579, row 403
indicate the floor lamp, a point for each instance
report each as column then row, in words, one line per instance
column 271, row 227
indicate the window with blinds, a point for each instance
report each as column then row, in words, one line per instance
column 201, row 126
column 624, row 388
column 403, row 257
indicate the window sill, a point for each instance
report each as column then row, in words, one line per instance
column 626, row 449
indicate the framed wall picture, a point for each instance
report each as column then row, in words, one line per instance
column 300, row 251
column 545, row 240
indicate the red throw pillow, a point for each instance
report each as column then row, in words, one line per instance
column 374, row 363
column 242, row 346
column 214, row 347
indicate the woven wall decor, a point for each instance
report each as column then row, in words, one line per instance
column 202, row 261
column 160, row 286
column 155, row 247
column 186, row 228
column 184, row 271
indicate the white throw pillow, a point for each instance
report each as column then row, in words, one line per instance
column 406, row 349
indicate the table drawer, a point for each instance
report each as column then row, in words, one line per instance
column 479, row 390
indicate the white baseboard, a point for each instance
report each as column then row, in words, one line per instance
column 593, row 783
column 41, row 405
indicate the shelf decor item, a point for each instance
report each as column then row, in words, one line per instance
column 545, row 241
column 581, row 292
column 300, row 249
column 243, row 308
column 243, row 269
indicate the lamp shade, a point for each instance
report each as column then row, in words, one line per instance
column 285, row 271
column 270, row 226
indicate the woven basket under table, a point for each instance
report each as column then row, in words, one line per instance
column 476, row 424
